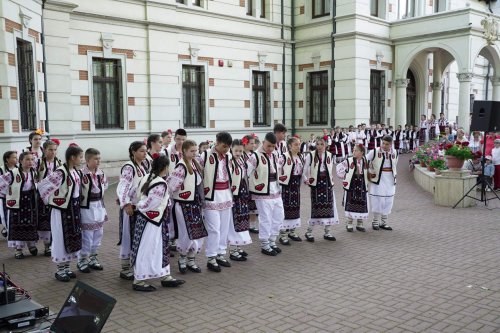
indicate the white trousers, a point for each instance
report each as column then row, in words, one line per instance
column 271, row 216
column 125, row 247
column 217, row 224
column 91, row 240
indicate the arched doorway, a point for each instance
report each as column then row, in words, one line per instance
column 411, row 99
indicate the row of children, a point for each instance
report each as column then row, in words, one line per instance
column 214, row 192
column 46, row 199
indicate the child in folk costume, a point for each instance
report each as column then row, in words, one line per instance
column 354, row 173
column 150, row 257
column 263, row 166
column 35, row 147
column 318, row 174
column 131, row 175
column 289, row 178
column 61, row 191
column 9, row 163
column 185, row 184
column 238, row 230
column 175, row 150
column 406, row 139
column 423, row 134
column 202, row 147
column 280, row 132
column 166, row 139
column 249, row 145
column 382, row 168
column 46, row 166
column 19, row 188
column 415, row 138
column 433, row 127
column 217, row 208
column 372, row 137
column 153, row 144
column 399, row 138
column 94, row 183
column 495, row 159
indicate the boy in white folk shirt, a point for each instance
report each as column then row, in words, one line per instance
column 218, row 204
column 262, row 168
column 383, row 162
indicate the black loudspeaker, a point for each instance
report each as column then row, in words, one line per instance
column 485, row 116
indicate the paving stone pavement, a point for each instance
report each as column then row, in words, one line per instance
column 438, row 271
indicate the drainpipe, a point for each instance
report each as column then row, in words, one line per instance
column 44, row 69
column 293, row 65
column 283, row 63
column 334, row 31
column 487, row 79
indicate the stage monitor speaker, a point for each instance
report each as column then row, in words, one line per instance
column 485, row 116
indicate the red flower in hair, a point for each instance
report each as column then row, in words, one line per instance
column 145, row 141
column 56, row 141
column 253, row 135
column 169, row 131
column 296, row 136
column 360, row 145
column 155, row 156
column 72, row 144
column 325, row 137
column 244, row 141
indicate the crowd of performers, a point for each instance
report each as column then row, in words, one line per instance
column 177, row 196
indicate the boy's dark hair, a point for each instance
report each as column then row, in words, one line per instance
column 91, row 152
column 180, row 131
column 72, row 151
column 237, row 142
column 224, row 137
column 387, row 138
column 279, row 128
column 203, row 143
column 271, row 138
column 152, row 138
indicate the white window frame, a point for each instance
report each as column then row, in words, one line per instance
column 204, row 64
column 19, row 34
column 123, row 60
column 271, row 95
column 307, row 97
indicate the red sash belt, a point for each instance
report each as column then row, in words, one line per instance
column 222, row 186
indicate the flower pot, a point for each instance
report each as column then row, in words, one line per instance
column 422, row 164
column 454, row 163
column 431, row 169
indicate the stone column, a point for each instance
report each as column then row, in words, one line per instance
column 400, row 112
column 495, row 82
column 436, row 98
column 464, row 100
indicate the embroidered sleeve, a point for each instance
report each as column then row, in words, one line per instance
column 341, row 169
column 125, row 185
column 176, row 179
column 49, row 185
column 154, row 198
column 5, row 181
column 105, row 183
column 280, row 161
column 307, row 169
column 251, row 163
column 200, row 158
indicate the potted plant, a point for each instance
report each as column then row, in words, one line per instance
column 456, row 154
column 438, row 165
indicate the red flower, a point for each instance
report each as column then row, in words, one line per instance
column 56, row 141
column 72, row 144
column 325, row 137
column 244, row 141
column 155, row 156
column 448, row 146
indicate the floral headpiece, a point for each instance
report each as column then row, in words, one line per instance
column 155, row 156
column 40, row 131
column 296, row 136
column 56, row 141
column 169, row 131
column 253, row 135
column 244, row 140
column 72, row 144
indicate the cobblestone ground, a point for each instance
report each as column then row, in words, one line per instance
column 438, row 271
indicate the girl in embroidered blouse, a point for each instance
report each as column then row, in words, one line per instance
column 46, row 166
column 9, row 163
column 323, row 206
column 150, row 257
column 65, row 218
column 356, row 197
column 21, row 210
column 35, row 147
column 291, row 193
column 187, row 215
column 131, row 174
column 249, row 146
column 154, row 146
column 238, row 228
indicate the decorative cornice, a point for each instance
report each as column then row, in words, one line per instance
column 437, row 86
column 402, row 83
column 465, row 77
